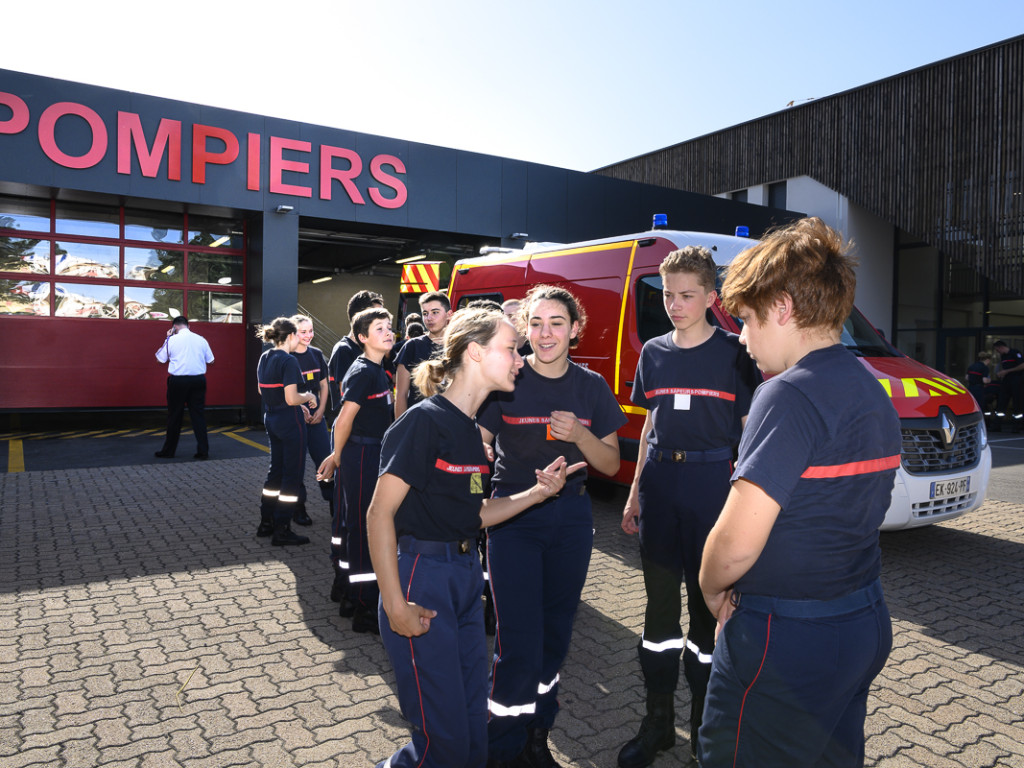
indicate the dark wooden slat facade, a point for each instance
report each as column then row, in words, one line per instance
column 937, row 151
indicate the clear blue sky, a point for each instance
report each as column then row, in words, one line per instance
column 573, row 83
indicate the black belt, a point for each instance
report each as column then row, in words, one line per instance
column 809, row 609
column 438, row 548
column 667, row 454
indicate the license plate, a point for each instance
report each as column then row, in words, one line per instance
column 942, row 489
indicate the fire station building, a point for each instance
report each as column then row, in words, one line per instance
column 119, row 211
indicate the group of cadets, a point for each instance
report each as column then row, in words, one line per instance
column 485, row 423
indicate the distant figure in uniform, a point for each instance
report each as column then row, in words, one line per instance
column 187, row 354
column 791, row 568
column 430, row 502
column 436, row 309
column 279, row 377
column 1011, row 379
column 979, row 381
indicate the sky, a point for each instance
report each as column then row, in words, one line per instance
column 574, row 84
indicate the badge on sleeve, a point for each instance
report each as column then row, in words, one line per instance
column 476, row 483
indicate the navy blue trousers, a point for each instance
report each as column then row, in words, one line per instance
column 441, row 676
column 679, row 504
column 185, row 391
column 318, row 443
column 790, row 680
column 360, row 463
column 287, row 435
column 538, row 564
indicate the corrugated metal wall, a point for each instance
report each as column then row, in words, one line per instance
column 937, row 151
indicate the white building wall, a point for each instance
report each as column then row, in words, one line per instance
column 872, row 238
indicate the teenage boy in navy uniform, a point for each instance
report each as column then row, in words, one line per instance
column 436, row 309
column 342, row 356
column 696, row 383
column 1011, row 378
column 366, row 413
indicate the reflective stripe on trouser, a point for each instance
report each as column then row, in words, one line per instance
column 673, row 529
column 537, row 563
column 287, row 436
column 359, row 466
column 339, row 551
column 793, row 691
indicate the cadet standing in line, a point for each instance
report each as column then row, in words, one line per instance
column 342, row 355
column 367, row 411
column 314, row 379
column 279, row 376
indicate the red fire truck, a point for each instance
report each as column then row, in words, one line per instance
column 946, row 460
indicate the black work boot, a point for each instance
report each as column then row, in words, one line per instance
column 536, row 753
column 299, row 514
column 267, row 505
column 285, row 536
column 657, row 732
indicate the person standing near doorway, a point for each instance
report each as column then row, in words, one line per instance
column 186, row 354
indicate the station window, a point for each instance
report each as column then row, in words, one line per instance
column 96, row 261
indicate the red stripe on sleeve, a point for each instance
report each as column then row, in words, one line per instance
column 853, row 468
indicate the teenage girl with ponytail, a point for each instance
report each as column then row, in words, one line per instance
column 279, row 378
column 430, row 503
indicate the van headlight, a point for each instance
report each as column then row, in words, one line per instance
column 983, row 434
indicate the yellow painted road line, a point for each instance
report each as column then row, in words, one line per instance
column 15, row 456
column 247, row 441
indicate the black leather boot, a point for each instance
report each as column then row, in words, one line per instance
column 657, row 732
column 536, row 752
column 284, row 536
column 299, row 514
column 267, row 505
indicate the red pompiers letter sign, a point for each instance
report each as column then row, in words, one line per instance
column 201, row 156
column 48, row 142
column 168, row 139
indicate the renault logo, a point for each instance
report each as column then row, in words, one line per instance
column 947, row 428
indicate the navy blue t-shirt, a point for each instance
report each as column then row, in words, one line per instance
column 314, row 370
column 342, row 356
column 822, row 440
column 697, row 396
column 414, row 352
column 367, row 384
column 519, row 420
column 437, row 450
column 275, row 370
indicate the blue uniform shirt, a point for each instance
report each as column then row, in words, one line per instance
column 437, row 450
column 414, row 352
column 519, row 420
column 342, row 356
column 275, row 370
column 697, row 396
column 822, row 440
column 367, row 384
column 313, row 368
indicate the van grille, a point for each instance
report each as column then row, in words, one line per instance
column 924, row 453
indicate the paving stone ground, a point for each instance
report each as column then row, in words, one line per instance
column 142, row 625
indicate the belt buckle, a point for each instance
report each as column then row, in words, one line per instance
column 679, row 456
column 464, row 547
